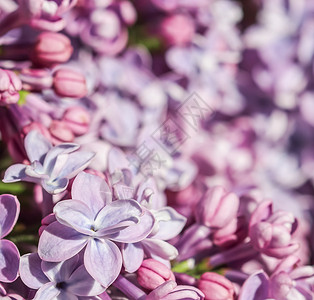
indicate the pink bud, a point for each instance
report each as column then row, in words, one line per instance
column 216, row 286
column 10, row 85
column 36, row 126
column 153, row 273
column 60, row 133
column 51, row 49
column 217, row 208
column 77, row 119
column 177, row 29
column 69, row 83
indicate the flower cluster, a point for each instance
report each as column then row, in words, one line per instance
column 157, row 149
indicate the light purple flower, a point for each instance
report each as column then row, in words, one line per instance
column 9, row 254
column 94, row 222
column 271, row 232
column 52, row 167
column 45, row 14
column 168, row 225
column 64, row 280
column 282, row 285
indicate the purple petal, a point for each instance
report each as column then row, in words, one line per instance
column 92, row 190
column 17, row 173
column 159, row 248
column 76, row 163
column 31, row 272
column 36, row 146
column 185, row 292
column 51, row 157
column 56, row 237
column 133, row 255
column 255, row 287
column 64, row 295
column 60, row 272
column 117, row 212
column 105, row 254
column 117, row 160
column 47, row 292
column 162, row 291
column 136, row 232
column 9, row 261
column 154, row 197
column 170, row 223
column 81, row 283
column 55, row 186
column 75, row 214
column 9, row 212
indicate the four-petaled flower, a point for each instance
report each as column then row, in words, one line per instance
column 91, row 220
column 52, row 167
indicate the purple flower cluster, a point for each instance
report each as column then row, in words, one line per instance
column 158, row 149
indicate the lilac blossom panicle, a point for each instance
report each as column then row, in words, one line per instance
column 153, row 130
column 52, row 167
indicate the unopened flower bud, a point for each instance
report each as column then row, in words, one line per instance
column 60, row 132
column 69, row 83
column 216, row 286
column 153, row 273
column 51, row 49
column 77, row 119
column 217, row 208
column 36, row 126
column 10, row 85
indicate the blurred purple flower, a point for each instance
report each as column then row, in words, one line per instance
column 52, row 167
column 45, row 14
column 94, row 222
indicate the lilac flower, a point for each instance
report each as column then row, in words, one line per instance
column 46, row 14
column 9, row 254
column 271, row 233
column 52, row 167
column 64, row 280
column 282, row 285
column 168, row 225
column 94, row 222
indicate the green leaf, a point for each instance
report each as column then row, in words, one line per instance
column 183, row 266
column 23, row 95
column 12, row 188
